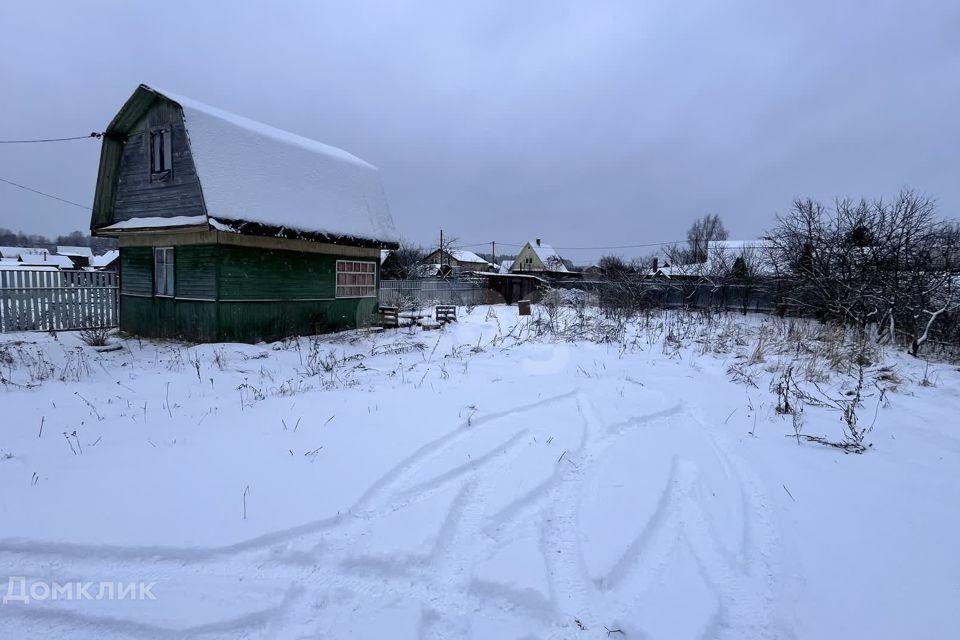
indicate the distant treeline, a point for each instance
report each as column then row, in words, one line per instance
column 9, row 238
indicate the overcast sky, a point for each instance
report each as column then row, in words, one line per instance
column 584, row 123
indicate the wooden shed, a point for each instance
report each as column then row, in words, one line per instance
column 231, row 230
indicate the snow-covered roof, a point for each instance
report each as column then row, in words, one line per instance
column 671, row 271
column 505, row 266
column 74, row 252
column 156, row 222
column 104, row 259
column 252, row 172
column 16, row 252
column 549, row 257
column 384, row 254
column 46, row 260
column 462, row 255
column 9, row 265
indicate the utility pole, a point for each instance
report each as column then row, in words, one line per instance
column 493, row 252
column 441, row 246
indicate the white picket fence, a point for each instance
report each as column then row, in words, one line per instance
column 43, row 300
column 406, row 293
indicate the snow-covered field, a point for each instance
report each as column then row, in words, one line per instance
column 483, row 481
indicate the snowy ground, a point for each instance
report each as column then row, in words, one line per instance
column 480, row 481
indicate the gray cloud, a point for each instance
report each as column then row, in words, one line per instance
column 585, row 123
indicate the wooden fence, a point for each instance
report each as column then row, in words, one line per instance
column 42, row 300
column 406, row 293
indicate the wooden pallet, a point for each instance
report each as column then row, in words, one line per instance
column 389, row 317
column 446, row 313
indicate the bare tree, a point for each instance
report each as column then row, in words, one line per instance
column 890, row 264
column 613, row 265
column 555, row 263
column 445, row 247
column 402, row 263
column 701, row 232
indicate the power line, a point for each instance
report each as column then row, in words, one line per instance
column 47, row 195
column 92, row 134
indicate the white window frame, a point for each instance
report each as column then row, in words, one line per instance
column 359, row 269
column 171, row 263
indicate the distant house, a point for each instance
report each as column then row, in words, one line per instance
column 14, row 253
column 109, row 261
column 505, row 266
column 593, row 270
column 45, row 260
column 677, row 272
column 230, row 229
column 537, row 257
column 16, row 265
column 80, row 256
column 460, row 260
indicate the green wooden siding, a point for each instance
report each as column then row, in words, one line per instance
column 195, row 271
column 263, row 274
column 136, row 271
column 169, row 318
column 268, row 321
column 260, row 295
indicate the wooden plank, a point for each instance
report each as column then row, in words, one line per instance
column 48, row 299
column 4, row 301
column 18, row 297
column 54, row 283
column 34, row 310
column 73, row 300
column 25, row 297
column 62, row 310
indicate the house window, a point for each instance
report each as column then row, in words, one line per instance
column 163, row 271
column 161, row 161
column 356, row 279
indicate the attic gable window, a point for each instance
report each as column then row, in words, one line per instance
column 161, row 159
column 356, row 279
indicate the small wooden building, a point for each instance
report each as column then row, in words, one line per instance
column 509, row 288
column 79, row 256
column 458, row 259
column 231, row 230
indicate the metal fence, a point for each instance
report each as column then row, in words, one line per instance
column 407, row 293
column 761, row 297
column 46, row 300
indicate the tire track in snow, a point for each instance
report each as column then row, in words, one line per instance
column 341, row 530
column 742, row 583
column 329, row 580
column 406, row 467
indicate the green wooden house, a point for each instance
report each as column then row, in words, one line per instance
column 231, row 230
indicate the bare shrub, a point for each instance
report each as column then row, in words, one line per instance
column 888, row 264
column 320, row 358
column 95, row 336
column 220, row 358
column 783, row 389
